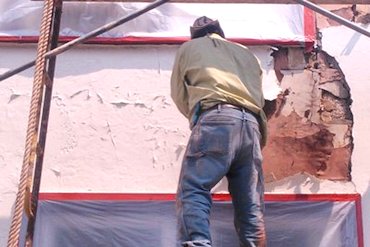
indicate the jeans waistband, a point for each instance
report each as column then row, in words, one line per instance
column 226, row 106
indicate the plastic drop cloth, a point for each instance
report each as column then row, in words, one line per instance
column 248, row 21
column 153, row 224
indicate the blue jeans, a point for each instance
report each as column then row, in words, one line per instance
column 224, row 142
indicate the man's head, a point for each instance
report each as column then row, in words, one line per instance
column 203, row 26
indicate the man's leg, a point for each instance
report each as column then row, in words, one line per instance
column 206, row 161
column 246, row 188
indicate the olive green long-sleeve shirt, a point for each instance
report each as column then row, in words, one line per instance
column 211, row 70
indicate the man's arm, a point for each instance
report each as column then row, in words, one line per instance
column 179, row 92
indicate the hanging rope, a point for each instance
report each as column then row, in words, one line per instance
column 22, row 202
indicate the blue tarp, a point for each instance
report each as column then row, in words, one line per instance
column 93, row 223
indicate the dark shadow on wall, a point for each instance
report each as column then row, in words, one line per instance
column 87, row 59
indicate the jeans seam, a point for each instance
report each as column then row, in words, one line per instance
column 182, row 215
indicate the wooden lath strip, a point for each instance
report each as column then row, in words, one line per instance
column 236, row 1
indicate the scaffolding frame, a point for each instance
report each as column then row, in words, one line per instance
column 33, row 165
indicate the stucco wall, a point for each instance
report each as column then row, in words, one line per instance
column 114, row 128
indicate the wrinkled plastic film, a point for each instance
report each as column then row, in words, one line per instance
column 278, row 22
column 153, row 224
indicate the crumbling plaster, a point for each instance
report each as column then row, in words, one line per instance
column 310, row 122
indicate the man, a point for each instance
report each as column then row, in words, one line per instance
column 216, row 84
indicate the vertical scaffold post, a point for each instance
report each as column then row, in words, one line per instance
column 32, row 146
column 49, row 81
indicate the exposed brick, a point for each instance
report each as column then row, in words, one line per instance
column 310, row 125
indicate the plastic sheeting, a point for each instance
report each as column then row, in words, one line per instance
column 152, row 224
column 248, row 21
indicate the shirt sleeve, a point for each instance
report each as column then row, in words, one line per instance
column 261, row 79
column 179, row 92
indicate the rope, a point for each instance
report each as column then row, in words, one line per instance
column 22, row 202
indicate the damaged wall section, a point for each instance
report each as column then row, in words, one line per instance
column 310, row 122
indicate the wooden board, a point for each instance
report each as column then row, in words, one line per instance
column 236, row 1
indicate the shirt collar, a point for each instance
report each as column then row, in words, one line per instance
column 215, row 36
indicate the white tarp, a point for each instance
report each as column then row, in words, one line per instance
column 245, row 21
column 152, row 224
